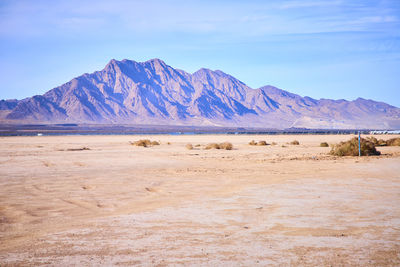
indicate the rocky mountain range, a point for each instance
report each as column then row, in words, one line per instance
column 154, row 93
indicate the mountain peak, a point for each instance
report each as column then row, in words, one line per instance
column 202, row 71
column 153, row 92
column 112, row 62
column 156, row 61
column 207, row 72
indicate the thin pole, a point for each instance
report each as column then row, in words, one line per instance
column 359, row 144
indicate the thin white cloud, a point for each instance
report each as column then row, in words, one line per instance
column 377, row 19
column 239, row 19
column 307, row 4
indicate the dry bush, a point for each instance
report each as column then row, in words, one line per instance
column 259, row 143
column 295, row 142
column 198, row 145
column 168, row 143
column 253, row 143
column 324, row 144
column 393, row 142
column 382, row 142
column 142, row 142
column 350, row 148
column 226, row 146
column 274, row 143
column 189, row 146
column 145, row 143
column 262, row 143
column 373, row 140
column 212, row 146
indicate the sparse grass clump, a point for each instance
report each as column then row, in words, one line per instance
column 189, row 146
column 145, row 143
column 295, row 142
column 225, row 145
column 324, row 144
column 259, row 143
column 142, row 142
column 262, row 143
column 253, row 143
column 212, row 146
column 350, row 148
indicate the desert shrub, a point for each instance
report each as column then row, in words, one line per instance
column 142, row 142
column 198, row 145
column 168, row 143
column 262, row 143
column 226, row 146
column 381, row 142
column 393, row 142
column 295, row 142
column 212, row 146
column 274, row 143
column 259, row 143
column 189, row 146
column 253, row 143
column 145, row 143
column 324, row 144
column 350, row 148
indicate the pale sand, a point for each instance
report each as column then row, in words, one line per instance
column 118, row 204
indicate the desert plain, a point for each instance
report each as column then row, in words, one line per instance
column 98, row 200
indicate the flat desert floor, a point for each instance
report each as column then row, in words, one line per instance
column 118, row 204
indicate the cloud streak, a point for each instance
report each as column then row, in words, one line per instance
column 38, row 18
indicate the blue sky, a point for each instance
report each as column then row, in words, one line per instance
column 323, row 49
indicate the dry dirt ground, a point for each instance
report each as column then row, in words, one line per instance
column 118, row 204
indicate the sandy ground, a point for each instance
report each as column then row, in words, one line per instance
column 118, row 204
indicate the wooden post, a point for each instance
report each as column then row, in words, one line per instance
column 359, row 144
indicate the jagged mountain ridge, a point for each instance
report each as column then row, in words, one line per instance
column 153, row 92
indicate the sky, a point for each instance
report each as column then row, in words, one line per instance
column 340, row 49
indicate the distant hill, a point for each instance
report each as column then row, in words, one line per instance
column 153, row 92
